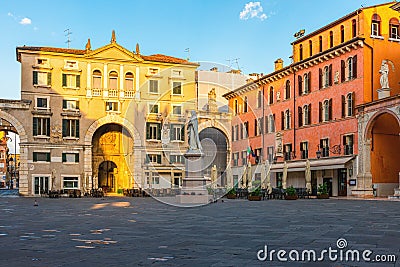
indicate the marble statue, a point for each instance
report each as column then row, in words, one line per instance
column 193, row 132
column 384, row 71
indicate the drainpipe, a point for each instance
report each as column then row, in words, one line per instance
column 372, row 70
column 263, row 125
column 294, row 113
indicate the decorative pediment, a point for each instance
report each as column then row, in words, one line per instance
column 115, row 52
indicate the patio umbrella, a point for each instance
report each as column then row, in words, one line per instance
column 249, row 184
column 263, row 175
column 284, row 176
column 268, row 177
column 244, row 176
column 308, row 176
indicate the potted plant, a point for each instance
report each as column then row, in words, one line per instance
column 291, row 193
column 255, row 195
column 231, row 194
column 322, row 191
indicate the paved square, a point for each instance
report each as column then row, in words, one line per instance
column 144, row 232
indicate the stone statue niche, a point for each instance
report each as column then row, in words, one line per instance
column 212, row 101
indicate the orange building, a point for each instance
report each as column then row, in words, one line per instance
column 307, row 111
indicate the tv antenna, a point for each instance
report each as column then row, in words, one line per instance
column 232, row 61
column 68, row 34
column 187, row 50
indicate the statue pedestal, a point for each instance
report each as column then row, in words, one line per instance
column 194, row 190
column 383, row 92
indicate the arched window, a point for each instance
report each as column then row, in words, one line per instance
column 342, row 34
column 301, row 52
column 350, row 68
column 235, row 107
column 353, row 28
column 320, row 44
column 326, row 76
column 305, row 115
column 271, row 95
column 245, row 104
column 96, row 79
column 394, row 28
column 287, row 90
column 350, row 104
column 113, row 80
column 376, row 25
column 326, row 110
column 271, row 123
column 259, row 99
column 330, row 39
column 287, row 119
column 306, row 83
column 129, row 81
column 310, row 47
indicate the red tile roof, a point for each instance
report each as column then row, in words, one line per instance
column 167, row 59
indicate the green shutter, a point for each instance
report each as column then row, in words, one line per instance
column 171, row 132
column 64, row 104
column 34, row 156
column 35, row 126
column 77, row 128
column 64, row 128
column 77, row 157
column 35, row 78
column 77, row 104
column 64, row 157
column 78, row 81
column 48, row 127
column 48, row 157
column 147, row 159
column 159, row 159
column 64, row 80
column 147, row 130
column 183, row 132
column 158, row 131
column 49, row 78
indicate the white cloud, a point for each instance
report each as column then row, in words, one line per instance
column 10, row 14
column 25, row 21
column 252, row 10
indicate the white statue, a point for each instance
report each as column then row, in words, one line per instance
column 193, row 133
column 384, row 71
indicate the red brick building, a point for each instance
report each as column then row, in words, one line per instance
column 306, row 111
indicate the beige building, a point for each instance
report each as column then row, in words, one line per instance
column 105, row 117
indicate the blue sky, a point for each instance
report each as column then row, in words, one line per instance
column 213, row 30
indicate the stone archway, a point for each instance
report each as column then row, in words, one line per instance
column 383, row 139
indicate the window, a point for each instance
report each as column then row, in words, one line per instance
column 155, row 178
column 287, row 89
column 304, row 150
column 41, row 126
column 41, row 78
column 177, row 73
column 245, row 104
column 259, row 99
column 353, row 28
column 348, row 105
column 307, row 114
column 260, row 123
column 348, row 144
column 330, row 39
column 235, row 107
column 112, row 106
column 153, row 71
column 71, row 104
column 287, row 119
column 376, row 26
column 235, row 158
column 266, row 126
column 70, row 157
column 129, row 81
column 326, row 76
column 153, row 131
column 241, row 132
column 270, row 152
column 246, row 129
column 310, row 47
column 271, row 95
column 320, row 44
column 394, row 29
column 177, row 88
column 41, row 103
column 272, row 123
column 71, row 80
column 41, row 156
column 70, row 128
column 301, row 52
column 324, row 146
column 287, row 151
column 325, row 110
column 177, row 179
column 300, row 84
column 258, row 153
column 96, row 79
column 154, row 109
column 176, row 159
column 307, row 85
column 71, row 182
column 177, row 132
column 351, row 68
column 237, row 132
column 153, row 86
column 153, row 158
column 255, row 127
column 113, row 80
column 176, row 110
column 233, row 134
column 342, row 34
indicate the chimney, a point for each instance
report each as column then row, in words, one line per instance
column 215, row 69
column 278, row 64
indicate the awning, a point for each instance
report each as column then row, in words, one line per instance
column 315, row 164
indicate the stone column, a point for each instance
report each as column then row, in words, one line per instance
column 364, row 177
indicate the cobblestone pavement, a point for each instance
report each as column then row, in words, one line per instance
column 144, row 232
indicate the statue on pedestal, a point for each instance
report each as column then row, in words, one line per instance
column 384, row 71
column 193, row 133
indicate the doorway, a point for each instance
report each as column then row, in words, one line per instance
column 41, row 185
column 106, row 172
column 328, row 182
column 342, row 182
